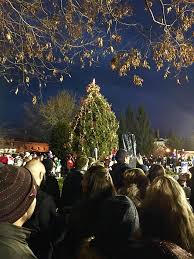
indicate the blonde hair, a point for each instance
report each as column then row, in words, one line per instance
column 168, row 214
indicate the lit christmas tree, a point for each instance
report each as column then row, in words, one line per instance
column 95, row 126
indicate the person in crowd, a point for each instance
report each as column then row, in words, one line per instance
column 44, row 216
column 166, row 213
column 50, row 185
column 117, row 223
column 17, row 203
column 72, row 185
column 182, row 180
column 155, row 171
column 192, row 187
column 4, row 159
column 107, row 163
column 116, row 232
column 70, row 163
column 140, row 163
column 135, row 185
column 122, row 158
column 139, row 250
column 97, row 186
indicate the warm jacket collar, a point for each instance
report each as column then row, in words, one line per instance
column 11, row 231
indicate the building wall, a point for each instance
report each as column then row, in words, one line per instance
column 7, row 145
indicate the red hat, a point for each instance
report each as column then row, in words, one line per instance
column 17, row 192
column 3, row 159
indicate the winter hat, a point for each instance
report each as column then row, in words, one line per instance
column 48, row 163
column 17, row 192
column 121, row 155
column 4, row 159
column 118, row 220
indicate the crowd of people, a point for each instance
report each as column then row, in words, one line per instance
column 104, row 209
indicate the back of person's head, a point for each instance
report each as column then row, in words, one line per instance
column 118, row 221
column 121, row 155
column 136, row 176
column 155, row 171
column 81, row 163
column 182, row 179
column 48, row 164
column 37, row 169
column 97, row 180
column 165, row 203
column 17, row 194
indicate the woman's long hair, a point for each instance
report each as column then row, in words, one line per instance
column 167, row 214
column 97, row 181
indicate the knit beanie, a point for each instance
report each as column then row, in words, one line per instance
column 17, row 192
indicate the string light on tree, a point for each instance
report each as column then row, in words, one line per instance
column 95, row 126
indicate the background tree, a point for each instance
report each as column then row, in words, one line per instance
column 40, row 39
column 122, row 123
column 60, row 108
column 95, row 126
column 42, row 118
column 175, row 142
column 59, row 139
column 143, row 132
column 34, row 124
column 127, row 121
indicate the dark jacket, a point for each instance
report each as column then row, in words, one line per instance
column 13, row 243
column 42, row 223
column 117, row 174
column 81, row 225
column 141, row 249
column 51, row 187
column 72, row 188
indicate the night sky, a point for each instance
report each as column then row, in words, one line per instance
column 170, row 106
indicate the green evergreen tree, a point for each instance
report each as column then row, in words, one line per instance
column 143, row 132
column 95, row 126
column 126, row 121
column 174, row 141
column 130, row 121
column 122, row 123
column 59, row 139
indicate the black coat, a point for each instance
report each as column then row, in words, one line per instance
column 72, row 189
column 42, row 224
column 51, row 187
column 81, row 225
column 117, row 174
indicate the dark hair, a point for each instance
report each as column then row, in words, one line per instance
column 121, row 155
column 155, row 171
column 98, row 180
column 80, row 162
column 48, row 163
